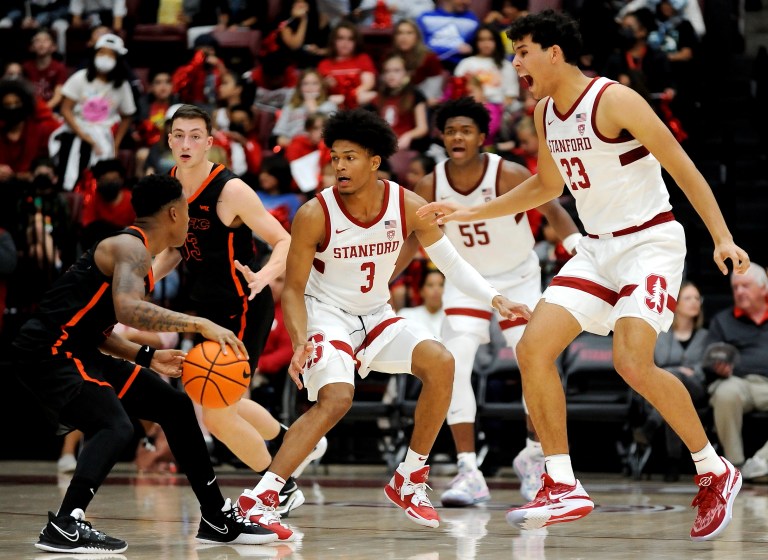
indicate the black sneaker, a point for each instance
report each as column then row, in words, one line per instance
column 72, row 533
column 230, row 527
column 291, row 497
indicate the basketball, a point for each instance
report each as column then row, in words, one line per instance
column 213, row 379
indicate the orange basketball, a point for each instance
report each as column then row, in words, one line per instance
column 213, row 379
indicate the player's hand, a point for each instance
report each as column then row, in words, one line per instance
column 301, row 353
column 511, row 309
column 738, row 256
column 168, row 362
column 224, row 337
column 256, row 281
column 443, row 212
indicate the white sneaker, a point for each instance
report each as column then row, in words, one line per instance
column 754, row 467
column 316, row 453
column 67, row 463
column 467, row 489
column 529, row 466
column 555, row 502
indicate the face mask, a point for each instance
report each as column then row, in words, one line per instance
column 108, row 190
column 627, row 37
column 104, row 63
column 12, row 117
column 237, row 127
column 42, row 183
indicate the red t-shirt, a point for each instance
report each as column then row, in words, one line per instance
column 45, row 79
column 120, row 214
column 428, row 68
column 346, row 72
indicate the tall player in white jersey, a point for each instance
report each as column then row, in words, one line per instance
column 502, row 251
column 608, row 145
column 344, row 247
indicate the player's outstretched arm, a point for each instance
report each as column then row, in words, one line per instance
column 308, row 232
column 622, row 108
column 455, row 268
column 126, row 260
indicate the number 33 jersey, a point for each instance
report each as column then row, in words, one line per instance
column 616, row 182
column 491, row 246
column 353, row 266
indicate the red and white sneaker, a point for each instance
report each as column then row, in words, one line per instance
column 715, row 501
column 555, row 502
column 410, row 493
column 260, row 509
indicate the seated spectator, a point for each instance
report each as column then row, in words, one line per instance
column 44, row 72
column 275, row 192
column 153, row 108
column 300, row 38
column 679, row 351
column 422, row 64
column 430, row 314
column 106, row 203
column 244, row 150
column 309, row 97
column 13, row 71
column 348, row 72
column 743, row 387
column 233, row 90
column 449, row 31
column 197, row 82
column 304, row 144
column 418, row 167
column 247, row 14
column 92, row 13
column 25, row 126
column 501, row 16
column 31, row 14
column 95, row 100
column 402, row 105
column 160, row 158
column 274, row 83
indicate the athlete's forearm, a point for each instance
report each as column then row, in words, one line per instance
column 120, row 347
column 147, row 316
column 460, row 272
column 295, row 316
column 529, row 194
column 275, row 265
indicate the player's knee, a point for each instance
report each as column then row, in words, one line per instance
column 335, row 400
column 121, row 431
column 526, row 352
column 632, row 370
column 432, row 361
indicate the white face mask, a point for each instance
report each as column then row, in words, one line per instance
column 104, row 63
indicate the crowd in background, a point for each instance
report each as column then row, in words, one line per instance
column 77, row 131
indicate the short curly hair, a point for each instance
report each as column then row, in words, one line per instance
column 463, row 107
column 550, row 28
column 362, row 127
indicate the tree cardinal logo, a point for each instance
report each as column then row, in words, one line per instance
column 656, row 288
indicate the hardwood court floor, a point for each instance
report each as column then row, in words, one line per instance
column 346, row 516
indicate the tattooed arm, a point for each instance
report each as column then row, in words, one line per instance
column 128, row 262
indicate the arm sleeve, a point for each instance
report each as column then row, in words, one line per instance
column 444, row 255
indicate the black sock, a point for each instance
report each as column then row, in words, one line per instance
column 277, row 441
column 79, row 495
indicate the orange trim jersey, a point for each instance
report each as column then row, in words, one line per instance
column 212, row 247
column 617, row 182
column 353, row 266
column 77, row 314
column 491, row 246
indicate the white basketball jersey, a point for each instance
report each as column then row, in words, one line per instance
column 490, row 246
column 352, row 268
column 617, row 183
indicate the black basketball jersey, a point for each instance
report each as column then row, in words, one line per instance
column 212, row 247
column 77, row 314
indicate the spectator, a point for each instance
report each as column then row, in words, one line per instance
column 95, row 100
column 310, row 97
column 365, row 13
column 242, row 143
column 31, row 14
column 418, row 167
column 160, row 158
column 233, row 90
column 402, row 105
column 679, row 351
column 300, row 38
column 743, row 387
column 44, row 72
column 422, row 64
column 449, row 31
column 429, row 314
column 13, row 71
column 274, row 190
column 348, row 72
column 93, row 13
column 107, row 204
column 304, row 144
column 7, row 266
column 249, row 14
column 197, row 82
column 274, row 83
column 153, row 108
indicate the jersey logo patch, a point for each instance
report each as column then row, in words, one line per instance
column 656, row 290
column 205, row 208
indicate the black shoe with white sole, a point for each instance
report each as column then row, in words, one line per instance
column 291, row 497
column 231, row 528
column 73, row 534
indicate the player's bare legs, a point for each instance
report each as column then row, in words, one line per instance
column 433, row 365
column 633, row 344
column 464, row 437
column 549, row 331
column 238, row 435
column 258, row 417
column 333, row 402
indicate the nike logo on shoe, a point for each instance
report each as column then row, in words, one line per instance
column 69, row 536
column 223, row 530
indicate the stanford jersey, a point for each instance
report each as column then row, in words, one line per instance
column 211, row 247
column 353, row 266
column 617, row 183
column 490, row 246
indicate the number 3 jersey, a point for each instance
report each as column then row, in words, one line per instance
column 616, row 182
column 491, row 246
column 353, row 266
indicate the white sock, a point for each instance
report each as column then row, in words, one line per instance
column 467, row 461
column 560, row 469
column 270, row 481
column 413, row 461
column 708, row 461
column 533, row 446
